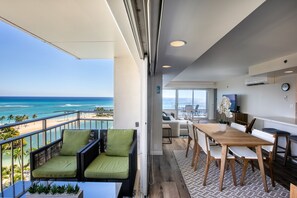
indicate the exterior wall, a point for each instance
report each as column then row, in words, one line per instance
column 127, row 94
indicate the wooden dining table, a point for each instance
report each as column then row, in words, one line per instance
column 234, row 137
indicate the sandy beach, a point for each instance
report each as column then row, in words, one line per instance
column 34, row 126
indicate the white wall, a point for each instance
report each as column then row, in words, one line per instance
column 127, row 94
column 264, row 100
column 211, row 105
column 155, row 100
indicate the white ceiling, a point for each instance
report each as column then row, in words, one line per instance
column 84, row 29
column 223, row 40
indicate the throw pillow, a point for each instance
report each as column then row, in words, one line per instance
column 166, row 117
column 119, row 142
column 74, row 140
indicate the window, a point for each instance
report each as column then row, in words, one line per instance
column 169, row 97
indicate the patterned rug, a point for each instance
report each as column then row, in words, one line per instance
column 253, row 183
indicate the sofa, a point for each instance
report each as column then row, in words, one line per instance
column 178, row 127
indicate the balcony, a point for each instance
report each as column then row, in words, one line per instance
column 34, row 134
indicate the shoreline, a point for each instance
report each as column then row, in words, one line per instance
column 35, row 126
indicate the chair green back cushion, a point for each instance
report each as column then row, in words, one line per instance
column 108, row 167
column 119, row 142
column 57, row 167
column 74, row 140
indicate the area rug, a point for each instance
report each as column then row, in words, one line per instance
column 253, row 183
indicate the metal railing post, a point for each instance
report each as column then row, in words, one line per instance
column 22, row 160
column 1, row 181
column 12, row 164
column 44, row 138
column 78, row 119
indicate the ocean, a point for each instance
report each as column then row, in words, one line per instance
column 49, row 106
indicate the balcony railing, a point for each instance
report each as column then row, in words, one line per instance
column 14, row 152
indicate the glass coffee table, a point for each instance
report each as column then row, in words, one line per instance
column 90, row 189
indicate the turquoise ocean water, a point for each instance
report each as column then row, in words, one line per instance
column 48, row 106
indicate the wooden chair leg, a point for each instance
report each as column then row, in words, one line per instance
column 271, row 171
column 194, row 153
column 288, row 146
column 197, row 158
column 244, row 168
column 189, row 141
column 206, row 169
column 253, row 167
column 232, row 165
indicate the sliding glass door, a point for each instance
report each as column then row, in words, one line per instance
column 200, row 103
column 186, row 103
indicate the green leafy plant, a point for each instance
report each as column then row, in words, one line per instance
column 33, row 188
column 53, row 189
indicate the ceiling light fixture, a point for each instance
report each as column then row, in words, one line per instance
column 288, row 71
column 178, row 43
column 166, row 66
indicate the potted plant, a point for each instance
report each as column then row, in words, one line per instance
column 54, row 191
column 224, row 108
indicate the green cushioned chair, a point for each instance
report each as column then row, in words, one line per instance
column 116, row 161
column 60, row 160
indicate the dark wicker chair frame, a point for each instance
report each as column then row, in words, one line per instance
column 42, row 155
column 89, row 154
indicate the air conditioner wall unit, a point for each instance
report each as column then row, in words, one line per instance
column 258, row 80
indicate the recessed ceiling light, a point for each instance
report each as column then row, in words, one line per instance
column 166, row 66
column 288, row 71
column 177, row 43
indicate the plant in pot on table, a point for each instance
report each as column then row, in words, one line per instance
column 224, row 108
column 54, row 191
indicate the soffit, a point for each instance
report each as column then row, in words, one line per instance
column 84, row 29
column 268, row 33
column 201, row 24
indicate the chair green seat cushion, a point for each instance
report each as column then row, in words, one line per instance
column 119, row 142
column 57, row 167
column 74, row 140
column 108, row 167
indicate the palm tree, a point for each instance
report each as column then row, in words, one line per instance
column 10, row 117
column 25, row 117
column 18, row 118
column 34, row 116
column 2, row 118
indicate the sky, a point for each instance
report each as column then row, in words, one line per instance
column 30, row 67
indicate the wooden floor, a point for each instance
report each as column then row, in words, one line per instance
column 166, row 179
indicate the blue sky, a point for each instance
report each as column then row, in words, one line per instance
column 30, row 67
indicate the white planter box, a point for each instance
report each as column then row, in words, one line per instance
column 36, row 195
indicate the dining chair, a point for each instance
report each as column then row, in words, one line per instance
column 250, row 126
column 190, row 136
column 246, row 154
column 239, row 127
column 213, row 153
column 197, row 149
